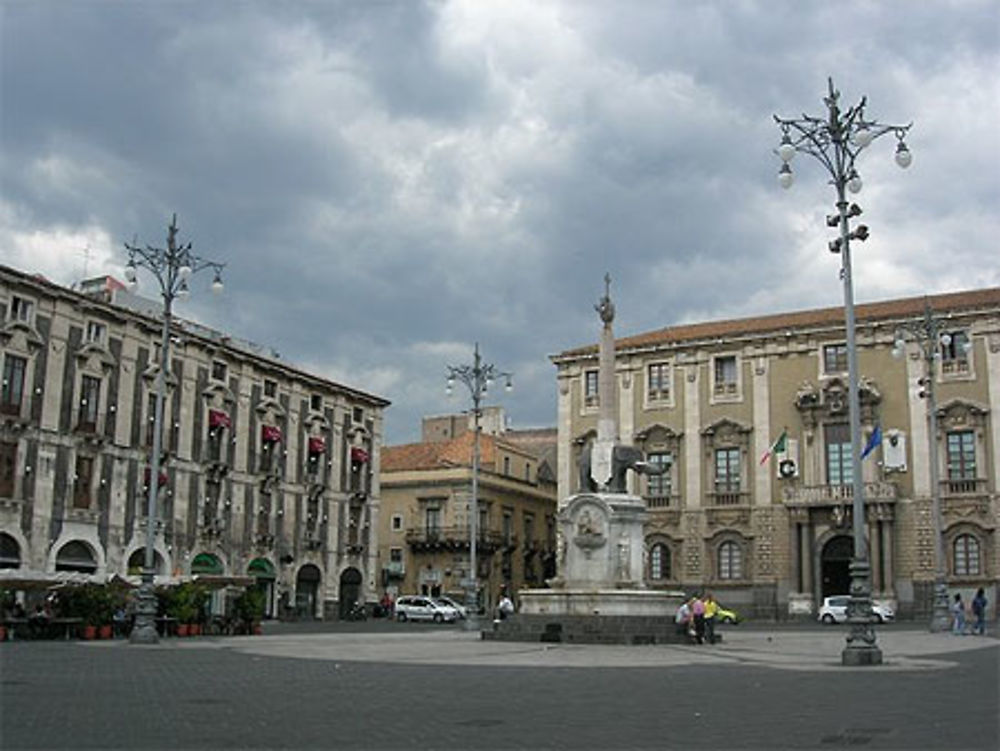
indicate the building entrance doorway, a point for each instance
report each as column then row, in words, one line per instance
column 306, row 591
column 835, row 566
column 350, row 591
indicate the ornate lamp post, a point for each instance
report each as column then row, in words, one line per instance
column 478, row 377
column 836, row 141
column 930, row 336
column 172, row 268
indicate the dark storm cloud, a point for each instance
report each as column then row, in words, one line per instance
column 390, row 182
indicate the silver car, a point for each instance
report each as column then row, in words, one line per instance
column 421, row 608
column 834, row 610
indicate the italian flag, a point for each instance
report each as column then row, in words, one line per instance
column 776, row 447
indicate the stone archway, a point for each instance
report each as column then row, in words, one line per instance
column 835, row 562
column 76, row 556
column 10, row 552
column 137, row 560
column 262, row 570
column 350, row 590
column 307, row 591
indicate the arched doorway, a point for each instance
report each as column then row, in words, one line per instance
column 262, row 570
column 306, row 591
column 206, row 563
column 350, row 590
column 835, row 566
column 10, row 552
column 138, row 559
column 76, row 556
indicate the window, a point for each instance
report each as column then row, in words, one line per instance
column 660, row 486
column 527, row 471
column 95, row 332
column 508, row 527
column 8, row 468
column 396, row 556
column 506, row 465
column 590, row 388
column 90, row 400
column 658, row 382
column 397, row 522
column 21, row 309
column 13, row 384
column 961, row 461
column 965, row 559
column 270, row 388
column 150, row 419
column 659, row 562
column 358, row 415
column 839, row 458
column 529, row 530
column 726, row 382
column 727, row 476
column 433, row 521
column 955, row 346
column 730, row 560
column 835, row 358
column 83, row 481
column 316, row 403
column 218, row 370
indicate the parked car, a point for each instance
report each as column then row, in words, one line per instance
column 724, row 615
column 834, row 610
column 451, row 603
column 421, row 608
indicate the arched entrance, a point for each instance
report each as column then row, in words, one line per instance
column 138, row 559
column 10, row 552
column 350, row 590
column 206, row 563
column 835, row 563
column 306, row 591
column 262, row 570
column 76, row 556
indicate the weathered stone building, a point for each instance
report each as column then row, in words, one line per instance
column 708, row 400
column 269, row 471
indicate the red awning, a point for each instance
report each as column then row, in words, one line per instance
column 270, row 433
column 317, row 445
column 218, row 419
column 358, row 455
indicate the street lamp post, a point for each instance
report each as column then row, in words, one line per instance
column 836, row 141
column 172, row 268
column 477, row 378
column 929, row 336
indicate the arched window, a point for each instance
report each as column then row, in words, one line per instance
column 730, row 560
column 965, row 559
column 659, row 562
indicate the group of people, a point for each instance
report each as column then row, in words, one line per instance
column 977, row 607
column 696, row 618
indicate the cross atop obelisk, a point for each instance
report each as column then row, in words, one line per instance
column 607, row 423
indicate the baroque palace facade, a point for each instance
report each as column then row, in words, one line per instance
column 426, row 492
column 708, row 400
column 269, row 472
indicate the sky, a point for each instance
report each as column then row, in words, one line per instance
column 391, row 181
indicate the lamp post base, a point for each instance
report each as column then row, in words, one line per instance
column 471, row 609
column 144, row 630
column 941, row 619
column 861, row 648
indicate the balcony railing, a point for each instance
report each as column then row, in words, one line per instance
column 660, row 500
column 961, row 486
column 827, row 495
column 728, row 497
column 451, row 538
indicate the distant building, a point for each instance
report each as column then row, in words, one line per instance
column 426, row 495
column 269, row 471
column 707, row 400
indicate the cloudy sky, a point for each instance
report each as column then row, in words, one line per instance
column 390, row 181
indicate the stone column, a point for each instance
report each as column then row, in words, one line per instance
column 805, row 553
column 887, row 555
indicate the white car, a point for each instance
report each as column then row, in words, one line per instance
column 834, row 610
column 452, row 604
column 421, row 608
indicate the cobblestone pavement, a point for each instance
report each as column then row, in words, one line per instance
column 442, row 688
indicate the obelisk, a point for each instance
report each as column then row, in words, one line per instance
column 607, row 395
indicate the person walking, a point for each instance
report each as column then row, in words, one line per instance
column 711, row 609
column 682, row 619
column 979, row 611
column 698, row 613
column 958, row 616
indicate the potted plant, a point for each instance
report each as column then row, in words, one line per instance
column 249, row 608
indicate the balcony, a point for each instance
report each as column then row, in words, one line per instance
column 963, row 487
column 395, row 570
column 837, row 495
column 451, row 539
column 660, row 500
column 728, row 498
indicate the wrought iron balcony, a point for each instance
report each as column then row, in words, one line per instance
column 452, row 539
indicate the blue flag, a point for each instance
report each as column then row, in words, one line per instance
column 874, row 441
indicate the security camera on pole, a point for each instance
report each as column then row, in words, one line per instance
column 836, row 141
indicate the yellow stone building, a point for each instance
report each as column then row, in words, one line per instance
column 708, row 400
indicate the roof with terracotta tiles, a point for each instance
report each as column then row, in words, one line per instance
column 442, row 454
column 780, row 322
